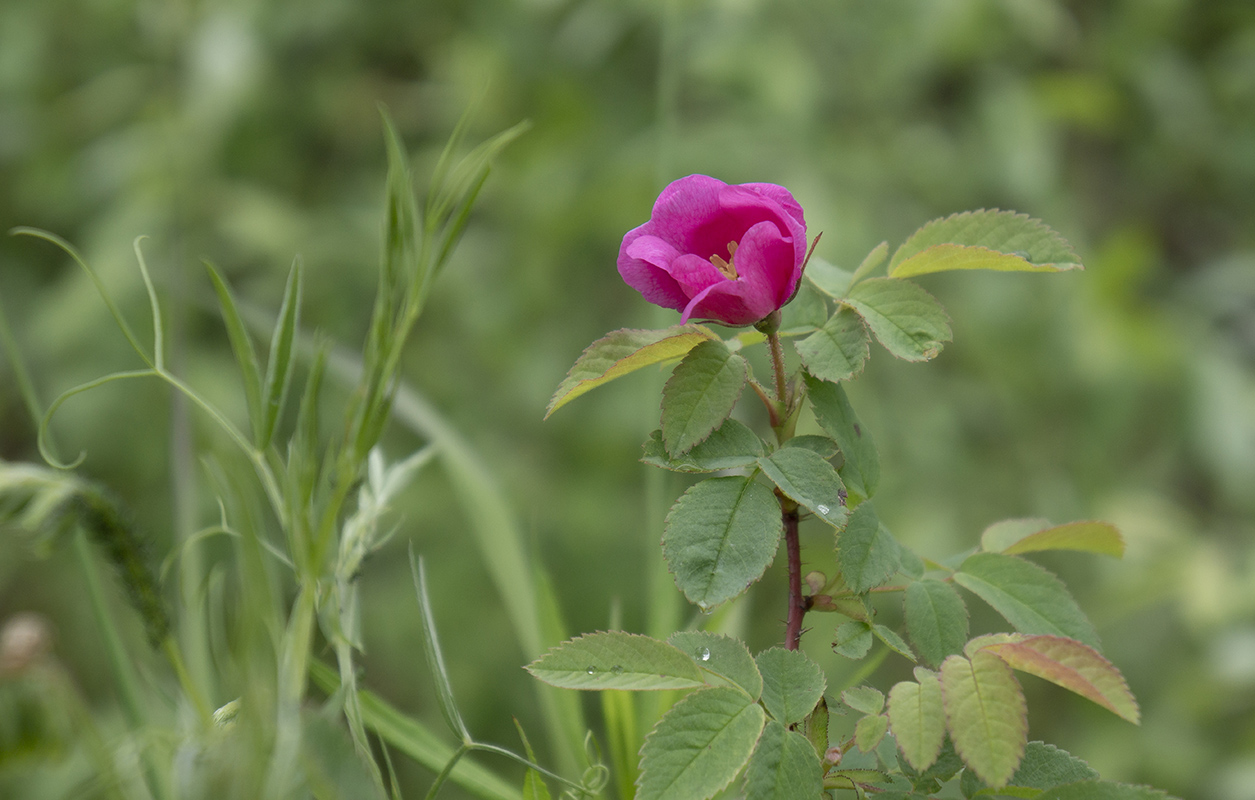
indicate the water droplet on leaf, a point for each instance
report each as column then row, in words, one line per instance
column 704, row 654
column 822, row 509
column 617, row 669
column 592, row 670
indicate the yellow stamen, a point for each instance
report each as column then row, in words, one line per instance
column 726, row 267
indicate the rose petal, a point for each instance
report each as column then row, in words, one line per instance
column 727, row 303
column 643, row 262
column 683, row 208
column 765, row 263
column 695, row 274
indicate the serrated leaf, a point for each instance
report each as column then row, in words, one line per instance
column 1086, row 536
column 699, row 746
column 1044, row 767
column 724, row 656
column 865, row 699
column 912, row 565
column 731, row 446
column 280, row 363
column 823, row 446
column 1004, row 533
column 792, row 684
column 917, row 718
column 720, row 536
column 1028, row 596
column 810, row 481
column 866, row 551
column 936, row 619
column 700, row 394
column 986, row 239
column 784, row 766
column 854, row 640
column 623, row 351
column 1103, row 790
column 838, row 350
column 907, row 320
column 1075, row 667
column 861, row 471
column 869, row 731
column 828, row 278
column 871, row 261
column 893, row 641
column 805, row 312
column 985, row 714
column 616, row 660
column 987, row 639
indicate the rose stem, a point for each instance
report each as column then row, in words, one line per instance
column 777, row 365
column 788, row 508
column 793, row 627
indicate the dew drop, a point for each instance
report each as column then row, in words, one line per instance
column 822, row 509
column 704, row 654
column 617, row 669
column 591, row 669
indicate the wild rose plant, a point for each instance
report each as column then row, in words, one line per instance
column 736, row 255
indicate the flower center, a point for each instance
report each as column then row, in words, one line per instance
column 726, row 268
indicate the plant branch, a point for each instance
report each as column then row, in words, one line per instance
column 797, row 608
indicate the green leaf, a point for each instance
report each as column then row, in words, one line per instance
column 616, row 660
column 242, row 347
column 810, row 481
column 907, row 320
column 784, row 766
column 1028, row 596
column 699, row 746
column 804, row 313
column 435, row 660
column 861, row 471
column 871, row 261
column 864, row 699
column 936, row 619
column 1102, row 790
column 823, row 446
column 792, row 684
column 1075, row 667
column 817, row 727
column 866, row 550
column 917, row 718
column 985, row 713
column 869, row 731
column 1044, row 767
column 838, row 350
column 854, row 640
column 732, row 445
column 985, row 239
column 623, row 351
column 720, row 537
column 534, row 787
column 724, row 656
column 280, row 363
column 893, row 641
column 1084, row 536
column 828, row 278
column 700, row 394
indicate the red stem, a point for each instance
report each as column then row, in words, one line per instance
column 797, row 608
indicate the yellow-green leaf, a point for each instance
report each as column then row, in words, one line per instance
column 987, row 239
column 623, row 351
column 986, row 714
column 1075, row 667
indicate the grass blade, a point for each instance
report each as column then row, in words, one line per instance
column 435, row 661
column 280, row 363
column 242, row 346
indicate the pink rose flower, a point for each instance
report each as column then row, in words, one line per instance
column 718, row 252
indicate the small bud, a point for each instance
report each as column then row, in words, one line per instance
column 815, row 581
column 833, row 756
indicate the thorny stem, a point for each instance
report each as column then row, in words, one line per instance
column 797, row 609
column 777, row 366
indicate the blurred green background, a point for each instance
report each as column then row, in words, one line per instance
column 247, row 131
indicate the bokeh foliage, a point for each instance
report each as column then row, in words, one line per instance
column 248, row 132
